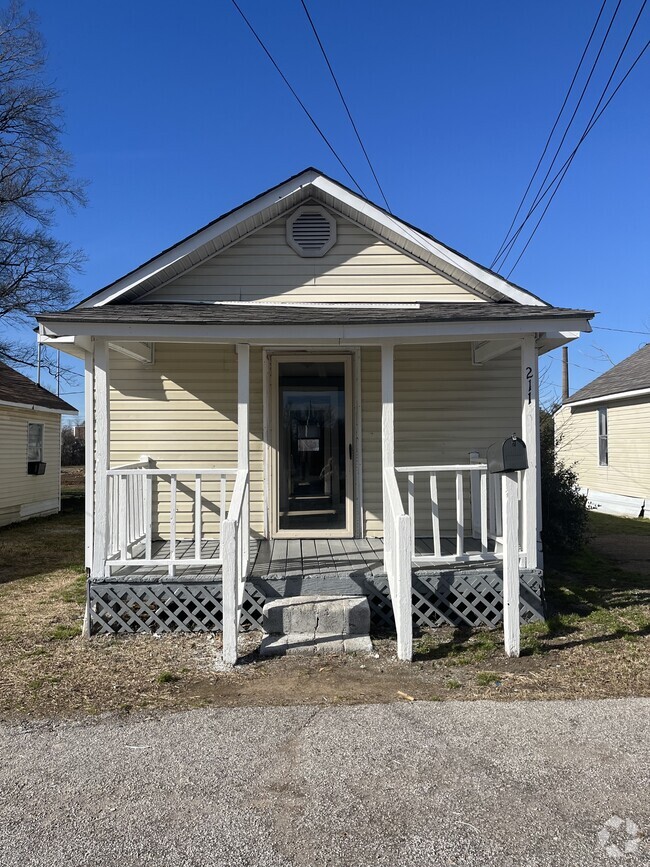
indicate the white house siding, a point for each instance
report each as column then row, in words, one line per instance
column 628, row 422
column 22, row 495
column 359, row 267
column 445, row 407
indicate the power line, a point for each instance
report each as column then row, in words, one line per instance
column 550, row 135
column 345, row 105
column 507, row 249
column 620, row 330
column 297, row 98
column 565, row 168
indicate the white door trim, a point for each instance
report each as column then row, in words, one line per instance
column 271, row 356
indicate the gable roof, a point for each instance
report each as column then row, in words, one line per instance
column 282, row 199
column 629, row 376
column 18, row 389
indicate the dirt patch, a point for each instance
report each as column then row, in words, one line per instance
column 72, row 478
column 630, row 553
column 595, row 644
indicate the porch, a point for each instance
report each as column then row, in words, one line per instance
column 147, row 599
column 162, row 523
column 287, row 559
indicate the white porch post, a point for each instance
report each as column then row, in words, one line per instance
column 510, row 564
column 89, row 460
column 530, row 435
column 397, row 525
column 102, row 455
column 387, row 408
column 89, row 424
column 243, row 397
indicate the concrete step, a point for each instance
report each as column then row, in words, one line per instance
column 316, row 624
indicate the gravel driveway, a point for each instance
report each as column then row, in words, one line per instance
column 474, row 783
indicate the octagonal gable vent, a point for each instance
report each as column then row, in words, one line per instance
column 311, row 231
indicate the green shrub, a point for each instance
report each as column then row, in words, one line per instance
column 564, row 508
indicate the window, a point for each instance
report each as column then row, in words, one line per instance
column 603, row 457
column 34, row 442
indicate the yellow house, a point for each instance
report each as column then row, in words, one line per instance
column 603, row 432
column 30, row 447
column 299, row 398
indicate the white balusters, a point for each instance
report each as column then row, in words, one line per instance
column 485, row 510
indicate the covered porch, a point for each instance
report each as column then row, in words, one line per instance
column 159, row 522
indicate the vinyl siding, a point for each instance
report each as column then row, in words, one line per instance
column 19, row 489
column 182, row 411
column 628, row 422
column 445, row 408
column 359, row 267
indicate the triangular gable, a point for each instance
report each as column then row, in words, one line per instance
column 311, row 184
column 359, row 267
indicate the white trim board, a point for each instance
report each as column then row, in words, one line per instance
column 606, row 398
column 371, row 333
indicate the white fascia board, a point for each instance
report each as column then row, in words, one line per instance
column 373, row 333
column 76, row 346
column 606, row 398
column 34, row 406
column 442, row 253
column 555, row 339
column 202, row 237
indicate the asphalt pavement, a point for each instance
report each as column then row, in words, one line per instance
column 462, row 783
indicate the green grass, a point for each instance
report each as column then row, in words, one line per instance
column 167, row 677
column 605, row 525
column 62, row 633
column 488, row 678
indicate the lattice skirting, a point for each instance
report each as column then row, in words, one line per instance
column 455, row 598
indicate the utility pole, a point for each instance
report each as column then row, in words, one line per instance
column 565, row 373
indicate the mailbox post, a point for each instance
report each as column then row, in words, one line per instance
column 507, row 458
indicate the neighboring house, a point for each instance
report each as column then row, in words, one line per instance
column 603, row 432
column 30, row 447
column 298, row 398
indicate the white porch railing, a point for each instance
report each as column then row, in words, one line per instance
column 398, row 554
column 131, row 515
column 485, row 511
column 235, row 548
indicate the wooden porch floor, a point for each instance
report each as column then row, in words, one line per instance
column 289, row 558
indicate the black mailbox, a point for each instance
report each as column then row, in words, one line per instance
column 507, row 456
column 36, row 468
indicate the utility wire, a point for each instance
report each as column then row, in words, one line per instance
column 345, row 105
column 565, row 168
column 503, row 255
column 550, row 135
column 620, row 330
column 297, row 98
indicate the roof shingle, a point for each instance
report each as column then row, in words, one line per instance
column 16, row 388
column 631, row 374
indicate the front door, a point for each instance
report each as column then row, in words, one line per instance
column 313, row 446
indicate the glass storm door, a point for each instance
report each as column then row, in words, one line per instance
column 313, row 489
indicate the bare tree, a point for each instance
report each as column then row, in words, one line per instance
column 35, row 179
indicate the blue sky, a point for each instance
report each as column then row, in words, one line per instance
column 174, row 115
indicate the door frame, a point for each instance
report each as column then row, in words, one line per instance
column 273, row 357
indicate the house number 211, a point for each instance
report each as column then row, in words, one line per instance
column 529, row 378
